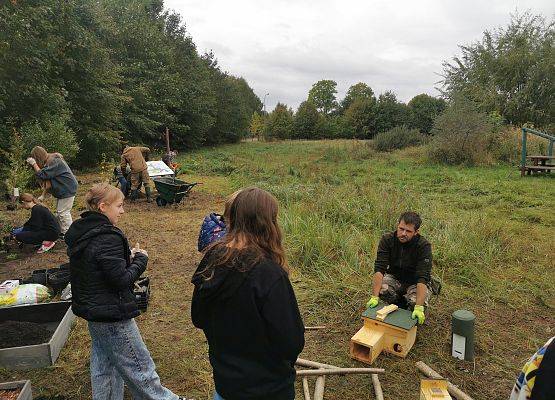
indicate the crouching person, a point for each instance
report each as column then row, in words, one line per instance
column 403, row 267
column 244, row 303
column 41, row 229
column 103, row 271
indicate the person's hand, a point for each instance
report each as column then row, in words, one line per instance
column 373, row 302
column 31, row 161
column 137, row 249
column 418, row 313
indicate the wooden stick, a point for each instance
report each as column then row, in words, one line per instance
column 453, row 390
column 339, row 371
column 312, row 328
column 306, row 389
column 377, row 387
column 313, row 364
column 319, row 387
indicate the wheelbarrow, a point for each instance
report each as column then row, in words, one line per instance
column 171, row 190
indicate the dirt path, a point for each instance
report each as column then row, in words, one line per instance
column 169, row 235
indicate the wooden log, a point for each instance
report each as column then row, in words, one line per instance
column 339, row 371
column 377, row 387
column 453, row 390
column 306, row 389
column 319, row 387
column 312, row 364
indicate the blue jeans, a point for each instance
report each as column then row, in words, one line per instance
column 119, row 356
column 217, row 396
column 15, row 231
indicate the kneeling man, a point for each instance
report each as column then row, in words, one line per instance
column 403, row 267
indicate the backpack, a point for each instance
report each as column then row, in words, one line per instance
column 213, row 228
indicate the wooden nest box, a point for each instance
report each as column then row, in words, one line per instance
column 386, row 328
column 434, row 389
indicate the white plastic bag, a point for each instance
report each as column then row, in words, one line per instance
column 31, row 293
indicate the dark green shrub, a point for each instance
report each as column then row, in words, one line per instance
column 461, row 135
column 398, row 138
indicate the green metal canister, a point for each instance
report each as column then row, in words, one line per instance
column 462, row 335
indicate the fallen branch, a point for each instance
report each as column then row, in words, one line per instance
column 319, row 387
column 312, row 364
column 377, row 387
column 339, row 371
column 313, row 328
column 306, row 389
column 453, row 390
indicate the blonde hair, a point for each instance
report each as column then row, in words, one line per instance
column 28, row 197
column 102, row 193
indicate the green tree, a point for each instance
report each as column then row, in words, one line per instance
column 423, row 110
column 279, row 123
column 256, row 126
column 510, row 71
column 390, row 112
column 306, row 121
column 322, row 95
column 361, row 116
column 359, row 91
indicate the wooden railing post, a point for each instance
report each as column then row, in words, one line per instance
column 523, row 156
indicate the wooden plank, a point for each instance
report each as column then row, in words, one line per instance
column 383, row 312
column 24, row 386
column 540, row 167
column 453, row 390
column 400, row 318
column 541, row 157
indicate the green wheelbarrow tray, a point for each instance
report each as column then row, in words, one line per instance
column 171, row 190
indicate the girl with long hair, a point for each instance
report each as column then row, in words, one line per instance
column 63, row 184
column 245, row 304
column 103, row 270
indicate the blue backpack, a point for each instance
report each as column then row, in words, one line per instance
column 213, row 228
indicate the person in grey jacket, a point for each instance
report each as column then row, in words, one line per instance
column 52, row 167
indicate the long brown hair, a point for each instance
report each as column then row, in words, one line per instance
column 42, row 157
column 253, row 232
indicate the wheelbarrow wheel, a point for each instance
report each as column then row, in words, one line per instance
column 160, row 202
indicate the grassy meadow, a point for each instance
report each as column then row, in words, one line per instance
column 493, row 248
column 490, row 231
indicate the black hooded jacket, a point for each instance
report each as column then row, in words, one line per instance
column 253, row 326
column 102, row 274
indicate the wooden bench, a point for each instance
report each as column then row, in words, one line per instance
column 539, row 164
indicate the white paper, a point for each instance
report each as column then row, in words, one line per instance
column 158, row 168
column 459, row 344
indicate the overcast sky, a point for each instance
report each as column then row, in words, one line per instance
column 282, row 47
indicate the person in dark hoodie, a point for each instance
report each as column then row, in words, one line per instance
column 245, row 304
column 52, row 167
column 103, row 270
column 41, row 229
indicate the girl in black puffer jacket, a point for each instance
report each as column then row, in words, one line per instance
column 103, row 271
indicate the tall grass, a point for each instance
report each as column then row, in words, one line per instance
column 338, row 198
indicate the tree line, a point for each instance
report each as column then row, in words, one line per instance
column 81, row 77
column 508, row 76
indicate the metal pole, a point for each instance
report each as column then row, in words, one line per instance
column 523, row 156
column 264, row 103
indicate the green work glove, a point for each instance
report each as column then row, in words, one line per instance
column 373, row 302
column 418, row 312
